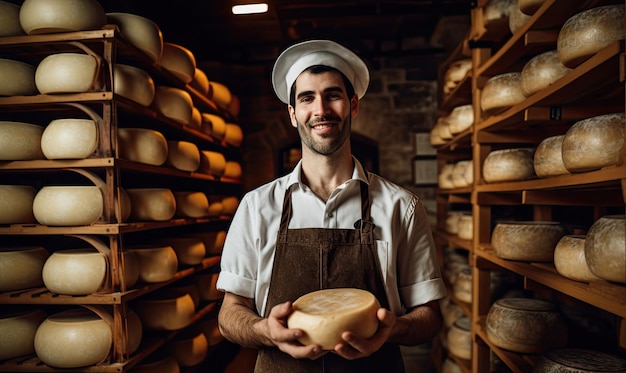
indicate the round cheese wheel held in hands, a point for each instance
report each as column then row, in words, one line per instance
column 324, row 314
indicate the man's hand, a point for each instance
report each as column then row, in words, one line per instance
column 287, row 339
column 356, row 347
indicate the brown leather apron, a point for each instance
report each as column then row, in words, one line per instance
column 311, row 259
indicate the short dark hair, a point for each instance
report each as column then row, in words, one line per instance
column 318, row 69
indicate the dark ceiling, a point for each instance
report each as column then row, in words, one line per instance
column 374, row 28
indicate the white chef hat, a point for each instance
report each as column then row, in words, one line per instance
column 297, row 58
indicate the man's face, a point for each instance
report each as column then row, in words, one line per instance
column 323, row 111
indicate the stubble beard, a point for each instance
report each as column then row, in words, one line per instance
column 324, row 147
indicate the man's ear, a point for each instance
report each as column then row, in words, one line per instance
column 354, row 105
column 292, row 116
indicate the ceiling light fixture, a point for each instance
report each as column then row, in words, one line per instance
column 250, row 8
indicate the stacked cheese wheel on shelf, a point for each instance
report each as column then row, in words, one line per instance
column 587, row 32
column 541, row 71
column 593, row 143
column 513, row 164
column 455, row 73
column 502, row 91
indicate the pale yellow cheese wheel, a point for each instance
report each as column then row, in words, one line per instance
column 444, row 130
column 593, row 143
column 142, row 145
column 195, row 121
column 569, row 259
column 466, row 227
column 178, row 60
column 189, row 250
column 458, row 70
column 200, row 82
column 221, row 94
column 460, row 119
column 213, row 125
column 460, row 338
column 183, row 155
column 233, row 135
column 435, row 138
column 17, row 78
column 191, row 204
column 20, row 141
column 230, row 204
column 233, row 170
column 212, row 163
column 517, row 18
column 496, row 10
column 541, row 71
column 509, row 165
column 173, row 103
column 502, row 91
column 444, row 179
column 458, row 173
column 324, row 314
column 153, row 204
column 133, row 83
column 587, row 32
column 548, row 160
column 10, row 19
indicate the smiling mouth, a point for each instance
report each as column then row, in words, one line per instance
column 322, row 126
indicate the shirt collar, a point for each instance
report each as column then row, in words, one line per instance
column 295, row 177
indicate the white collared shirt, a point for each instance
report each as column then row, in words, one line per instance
column 403, row 237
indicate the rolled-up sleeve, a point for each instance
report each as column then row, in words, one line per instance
column 238, row 272
column 418, row 267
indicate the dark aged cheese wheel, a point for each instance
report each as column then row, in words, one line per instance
column 533, row 241
column 502, row 91
column 605, row 248
column 525, row 325
column 324, row 314
column 587, row 32
column 541, row 71
column 548, row 159
column 577, row 360
column 509, row 165
column 593, row 143
column 529, row 6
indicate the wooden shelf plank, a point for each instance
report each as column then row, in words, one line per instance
column 607, row 177
column 518, row 363
column 105, row 229
column 592, row 76
column 580, row 290
column 150, row 344
column 43, row 296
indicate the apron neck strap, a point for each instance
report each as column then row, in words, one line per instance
column 364, row 225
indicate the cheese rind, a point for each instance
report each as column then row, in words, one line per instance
column 325, row 314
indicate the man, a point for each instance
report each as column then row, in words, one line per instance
column 328, row 224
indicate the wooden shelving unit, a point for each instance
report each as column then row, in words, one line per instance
column 593, row 88
column 116, row 173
